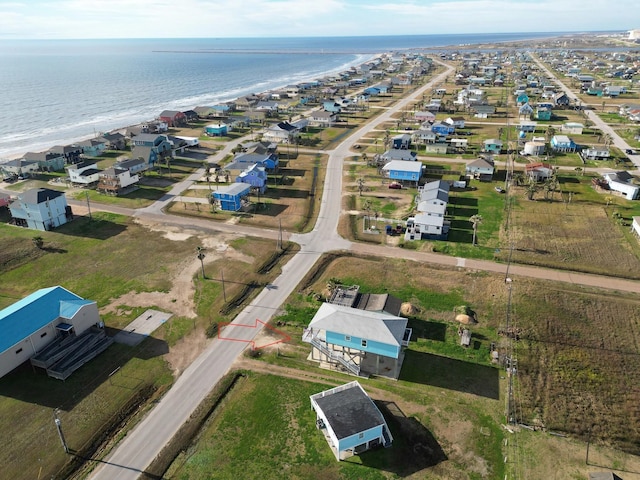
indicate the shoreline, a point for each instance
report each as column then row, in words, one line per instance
column 361, row 58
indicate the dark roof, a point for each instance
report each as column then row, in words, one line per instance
column 39, row 195
column 127, row 164
column 374, row 302
column 350, row 412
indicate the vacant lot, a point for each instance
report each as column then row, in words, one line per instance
column 102, row 259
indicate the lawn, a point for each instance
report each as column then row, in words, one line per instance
column 101, row 260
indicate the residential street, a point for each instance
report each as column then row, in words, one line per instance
column 141, row 445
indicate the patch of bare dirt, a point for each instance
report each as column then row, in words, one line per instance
column 186, row 350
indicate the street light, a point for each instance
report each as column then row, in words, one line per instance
column 201, row 256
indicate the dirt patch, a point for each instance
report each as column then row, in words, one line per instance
column 186, row 350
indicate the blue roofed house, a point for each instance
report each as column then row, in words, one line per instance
column 350, row 420
column 230, row 197
column 442, row 129
column 255, row 175
column 29, row 325
column 40, row 209
column 562, row 143
column 360, row 342
column 402, row 170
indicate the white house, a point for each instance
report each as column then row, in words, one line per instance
column 322, row 118
column 595, row 152
column 574, row 128
column 114, row 180
column 40, row 209
column 457, row 122
column 635, row 226
column 84, row 173
column 29, row 325
column 622, row 182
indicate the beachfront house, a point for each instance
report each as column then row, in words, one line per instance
column 18, row 167
column 401, row 170
column 83, row 173
column 40, row 209
column 173, row 118
column 623, row 183
column 134, row 165
column 254, row 175
column 350, row 421
column 94, row 147
column 355, row 341
column 47, row 161
column 115, row 140
column 71, row 153
column 231, row 197
column 116, row 180
column 31, row 324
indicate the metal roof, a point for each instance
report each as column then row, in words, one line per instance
column 33, row 312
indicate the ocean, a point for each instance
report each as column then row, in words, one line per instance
column 56, row 92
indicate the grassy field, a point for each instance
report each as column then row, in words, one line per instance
column 101, row 260
column 266, row 429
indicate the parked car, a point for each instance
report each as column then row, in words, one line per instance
column 499, row 189
column 630, row 151
column 395, row 185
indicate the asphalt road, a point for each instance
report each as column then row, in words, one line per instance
column 141, row 445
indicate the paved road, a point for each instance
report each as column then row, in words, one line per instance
column 142, row 445
column 617, row 141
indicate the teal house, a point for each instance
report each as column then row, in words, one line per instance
column 350, row 421
column 360, row 342
column 216, row 130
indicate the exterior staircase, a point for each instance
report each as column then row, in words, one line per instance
column 335, row 356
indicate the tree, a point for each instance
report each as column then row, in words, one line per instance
column 360, row 186
column 579, row 170
column 38, row 242
column 532, row 188
column 364, row 157
column 475, row 221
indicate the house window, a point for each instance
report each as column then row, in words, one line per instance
column 18, row 351
column 42, row 335
column 361, row 435
column 364, row 343
column 347, row 338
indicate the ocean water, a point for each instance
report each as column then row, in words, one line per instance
column 59, row 91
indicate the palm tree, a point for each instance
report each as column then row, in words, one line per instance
column 532, row 188
column 475, row 221
column 360, row 186
column 579, row 170
column 38, row 241
column 364, row 157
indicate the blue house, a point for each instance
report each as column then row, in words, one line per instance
column 562, row 143
column 268, row 160
column 216, row 130
column 442, row 129
column 493, row 145
column 150, row 147
column 403, row 170
column 256, row 176
column 525, row 110
column 40, row 209
column 331, row 106
column 522, row 98
column 373, row 91
column 230, row 197
column 350, row 420
column 543, row 113
column 93, row 147
column 359, row 342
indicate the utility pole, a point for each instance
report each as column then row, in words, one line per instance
column 224, row 292
column 56, row 420
column 279, row 234
column 201, row 256
column 88, row 204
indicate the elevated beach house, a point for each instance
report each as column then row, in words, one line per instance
column 230, row 197
column 116, row 180
column 402, row 170
column 40, row 209
column 29, row 325
column 349, row 420
column 359, row 342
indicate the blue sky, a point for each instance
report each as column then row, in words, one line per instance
column 21, row 19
